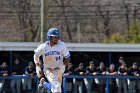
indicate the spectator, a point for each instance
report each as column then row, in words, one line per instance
column 69, row 82
column 4, row 71
column 112, row 83
column 90, row 70
column 101, row 70
column 138, row 83
column 121, row 60
column 122, row 83
column 133, row 71
column 16, row 83
column 27, row 83
column 79, row 82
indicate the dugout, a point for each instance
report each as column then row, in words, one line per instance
column 80, row 52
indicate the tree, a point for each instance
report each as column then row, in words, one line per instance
column 96, row 20
column 132, row 36
column 29, row 27
column 134, row 33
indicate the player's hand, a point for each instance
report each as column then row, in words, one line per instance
column 5, row 74
column 14, row 73
column 125, row 73
column 103, row 73
column 94, row 73
column 65, row 61
column 81, row 73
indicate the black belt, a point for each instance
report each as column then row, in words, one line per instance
column 54, row 68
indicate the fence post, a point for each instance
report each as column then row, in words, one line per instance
column 110, row 57
column 64, row 85
column 10, row 61
column 107, row 85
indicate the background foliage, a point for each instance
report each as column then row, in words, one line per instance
column 80, row 21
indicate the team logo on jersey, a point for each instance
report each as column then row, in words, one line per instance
column 55, row 55
column 52, row 53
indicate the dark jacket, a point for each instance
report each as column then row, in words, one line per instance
column 18, row 69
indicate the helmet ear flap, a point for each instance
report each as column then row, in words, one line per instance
column 48, row 37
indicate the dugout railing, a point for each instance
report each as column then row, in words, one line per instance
column 75, row 76
column 20, row 77
column 107, row 78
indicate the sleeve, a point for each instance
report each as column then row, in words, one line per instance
column 129, row 71
column 0, row 72
column 26, row 72
column 38, row 51
column 87, row 70
column 119, row 71
column 65, row 52
column 107, row 71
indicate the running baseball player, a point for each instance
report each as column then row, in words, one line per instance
column 55, row 58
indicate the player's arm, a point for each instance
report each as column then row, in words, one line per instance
column 38, row 53
column 38, row 68
column 66, row 55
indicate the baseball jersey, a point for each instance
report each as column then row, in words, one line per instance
column 53, row 55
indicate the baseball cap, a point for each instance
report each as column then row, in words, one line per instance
column 91, row 62
column 81, row 64
column 121, row 58
column 101, row 63
column 112, row 65
column 123, row 62
column 31, row 63
column 135, row 64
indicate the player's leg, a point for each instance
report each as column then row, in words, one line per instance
column 12, row 85
column 18, row 84
column 55, row 79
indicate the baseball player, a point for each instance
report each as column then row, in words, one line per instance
column 55, row 58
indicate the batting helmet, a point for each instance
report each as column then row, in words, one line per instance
column 53, row 32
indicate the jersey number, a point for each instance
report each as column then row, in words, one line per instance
column 58, row 58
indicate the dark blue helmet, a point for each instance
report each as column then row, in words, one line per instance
column 53, row 32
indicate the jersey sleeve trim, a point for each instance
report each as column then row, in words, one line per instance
column 67, row 56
